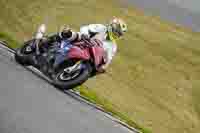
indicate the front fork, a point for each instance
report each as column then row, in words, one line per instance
column 73, row 68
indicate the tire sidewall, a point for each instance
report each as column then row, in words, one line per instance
column 65, row 85
column 22, row 58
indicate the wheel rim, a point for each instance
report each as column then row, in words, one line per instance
column 63, row 76
column 26, row 49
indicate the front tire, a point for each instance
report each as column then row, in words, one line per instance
column 71, row 83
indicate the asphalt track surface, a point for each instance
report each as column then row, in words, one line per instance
column 181, row 12
column 28, row 104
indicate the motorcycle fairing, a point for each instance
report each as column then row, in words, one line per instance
column 98, row 55
column 78, row 53
column 69, row 51
column 61, row 52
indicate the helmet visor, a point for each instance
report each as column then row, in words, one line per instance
column 116, row 29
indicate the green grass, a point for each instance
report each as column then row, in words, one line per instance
column 109, row 107
column 6, row 38
column 153, row 80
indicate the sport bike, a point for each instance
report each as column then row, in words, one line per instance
column 66, row 64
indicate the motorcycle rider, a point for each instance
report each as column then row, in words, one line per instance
column 108, row 34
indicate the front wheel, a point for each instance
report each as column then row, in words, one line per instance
column 67, row 81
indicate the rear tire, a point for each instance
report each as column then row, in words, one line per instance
column 70, row 84
column 21, row 57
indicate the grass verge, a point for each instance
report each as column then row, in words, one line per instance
column 10, row 41
column 109, row 107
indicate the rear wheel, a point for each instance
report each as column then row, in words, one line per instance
column 64, row 80
column 23, row 54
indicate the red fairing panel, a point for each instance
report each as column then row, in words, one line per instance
column 78, row 53
column 98, row 55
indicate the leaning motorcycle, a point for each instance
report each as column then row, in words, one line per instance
column 67, row 65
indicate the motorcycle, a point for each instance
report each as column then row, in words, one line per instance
column 66, row 64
